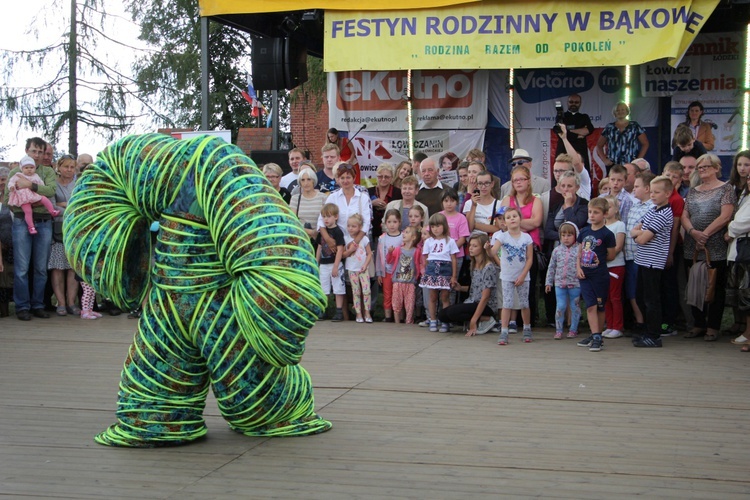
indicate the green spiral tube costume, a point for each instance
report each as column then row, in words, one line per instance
column 231, row 281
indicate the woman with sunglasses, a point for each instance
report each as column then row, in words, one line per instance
column 708, row 209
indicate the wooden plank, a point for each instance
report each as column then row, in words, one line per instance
column 416, row 415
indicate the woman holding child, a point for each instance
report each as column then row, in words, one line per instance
column 708, row 210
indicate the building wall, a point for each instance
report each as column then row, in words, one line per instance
column 309, row 124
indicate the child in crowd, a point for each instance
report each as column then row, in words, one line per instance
column 440, row 267
column 562, row 273
column 652, row 237
column 389, row 241
column 459, row 229
column 597, row 248
column 517, row 256
column 329, row 259
column 406, row 274
column 671, row 301
column 641, row 205
column 616, row 267
column 87, row 301
column 24, row 197
column 604, row 187
column 479, row 308
column 416, row 217
column 617, row 178
column 358, row 257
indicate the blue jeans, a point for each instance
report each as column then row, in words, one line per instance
column 30, row 254
column 565, row 296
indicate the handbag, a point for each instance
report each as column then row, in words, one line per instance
column 710, row 278
column 743, row 250
column 57, row 231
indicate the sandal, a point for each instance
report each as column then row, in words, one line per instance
column 745, row 348
column 735, row 329
column 741, row 340
column 695, row 332
column 74, row 310
column 711, row 336
column 61, row 311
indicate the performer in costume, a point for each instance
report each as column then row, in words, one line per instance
column 231, row 296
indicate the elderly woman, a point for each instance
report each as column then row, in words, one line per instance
column 64, row 284
column 708, row 210
column 380, row 195
column 623, row 138
column 307, row 203
column 403, row 170
column 738, row 288
column 6, row 244
column 273, row 173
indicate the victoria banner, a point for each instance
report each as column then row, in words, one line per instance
column 513, row 34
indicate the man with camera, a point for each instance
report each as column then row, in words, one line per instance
column 578, row 126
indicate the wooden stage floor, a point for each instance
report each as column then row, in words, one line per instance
column 415, row 414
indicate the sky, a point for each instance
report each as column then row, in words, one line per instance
column 52, row 19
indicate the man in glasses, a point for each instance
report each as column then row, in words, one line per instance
column 578, row 126
column 521, row 158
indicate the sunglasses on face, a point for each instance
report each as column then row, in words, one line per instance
column 518, row 162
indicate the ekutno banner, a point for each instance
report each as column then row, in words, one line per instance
column 440, row 100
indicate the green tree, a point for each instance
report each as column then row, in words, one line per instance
column 86, row 90
column 172, row 76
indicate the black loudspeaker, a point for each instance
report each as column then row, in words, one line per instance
column 295, row 64
column 278, row 63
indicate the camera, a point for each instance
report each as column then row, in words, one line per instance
column 476, row 191
column 559, row 117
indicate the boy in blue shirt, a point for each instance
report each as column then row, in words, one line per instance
column 652, row 237
column 597, row 246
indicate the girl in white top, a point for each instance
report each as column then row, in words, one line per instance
column 440, row 267
column 613, row 307
column 517, row 257
column 358, row 257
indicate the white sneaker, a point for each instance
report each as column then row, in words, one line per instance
column 612, row 334
column 424, row 323
column 606, row 332
column 485, row 326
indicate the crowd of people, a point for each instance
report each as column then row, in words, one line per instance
column 477, row 254
column 35, row 274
